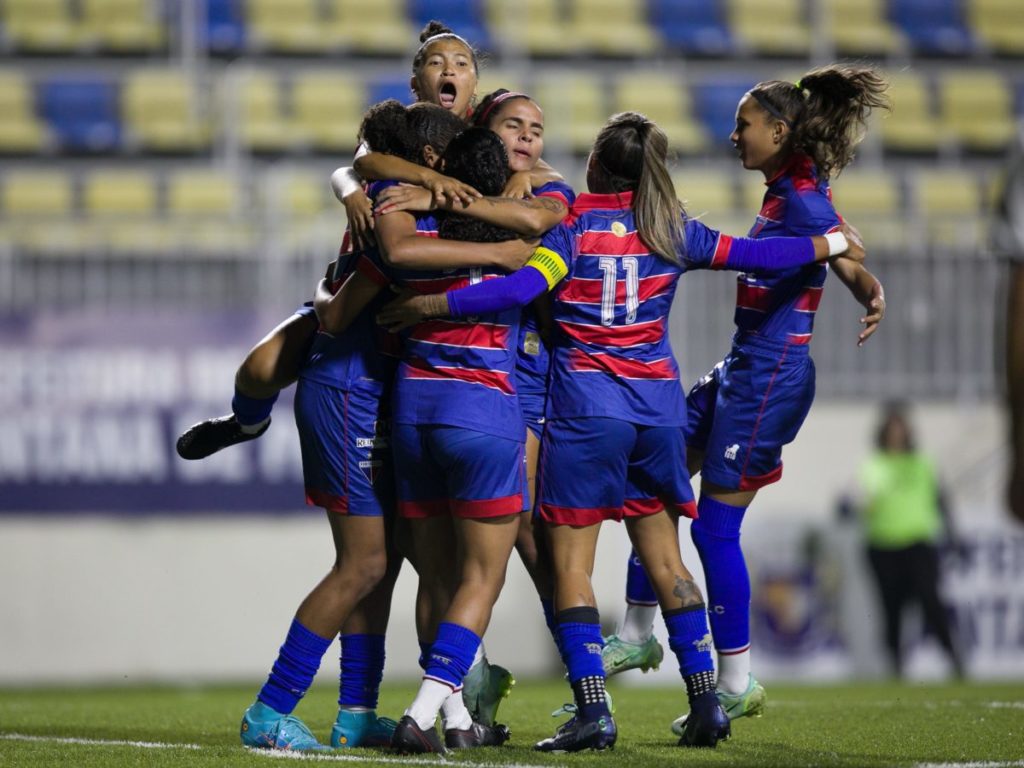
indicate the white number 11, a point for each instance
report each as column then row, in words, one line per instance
column 609, row 285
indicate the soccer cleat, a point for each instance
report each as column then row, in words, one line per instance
column 477, row 735
column 483, row 688
column 361, row 729
column 266, row 728
column 410, row 739
column 618, row 655
column 207, row 437
column 706, row 725
column 750, row 703
column 577, row 733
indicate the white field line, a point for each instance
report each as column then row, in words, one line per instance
column 96, row 742
column 983, row 764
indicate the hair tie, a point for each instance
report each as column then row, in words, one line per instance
column 482, row 120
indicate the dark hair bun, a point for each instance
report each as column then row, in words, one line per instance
column 434, row 27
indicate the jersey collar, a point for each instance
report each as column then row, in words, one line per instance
column 588, row 201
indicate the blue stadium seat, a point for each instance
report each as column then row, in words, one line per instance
column 84, row 114
column 933, row 27
column 224, row 26
column 714, row 103
column 692, row 26
column 390, row 87
column 465, row 17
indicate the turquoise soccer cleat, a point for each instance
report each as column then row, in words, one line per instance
column 750, row 703
column 619, row 655
column 483, row 688
column 361, row 729
column 266, row 728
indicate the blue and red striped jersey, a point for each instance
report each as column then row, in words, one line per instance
column 781, row 306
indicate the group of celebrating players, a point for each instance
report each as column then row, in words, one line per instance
column 521, row 389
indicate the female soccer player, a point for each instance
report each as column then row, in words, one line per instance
column 615, row 404
column 444, row 72
column 798, row 135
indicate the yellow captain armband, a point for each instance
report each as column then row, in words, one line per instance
column 549, row 264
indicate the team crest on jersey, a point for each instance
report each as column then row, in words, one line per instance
column 371, row 469
column 731, row 451
column 531, row 343
column 618, row 229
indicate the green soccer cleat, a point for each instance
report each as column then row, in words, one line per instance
column 750, row 703
column 619, row 655
column 361, row 729
column 483, row 688
column 266, row 728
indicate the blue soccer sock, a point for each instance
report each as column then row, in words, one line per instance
column 716, row 534
column 690, row 641
column 451, row 654
column 639, row 590
column 424, row 658
column 579, row 633
column 294, row 670
column 362, row 668
column 251, row 411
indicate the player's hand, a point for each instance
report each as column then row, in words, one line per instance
column 449, row 193
column 519, row 186
column 855, row 250
column 404, row 197
column 515, row 253
column 359, row 211
column 408, row 309
column 875, row 306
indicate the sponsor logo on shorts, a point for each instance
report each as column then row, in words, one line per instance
column 371, row 469
column 371, row 442
column 731, row 451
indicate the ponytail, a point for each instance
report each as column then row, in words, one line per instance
column 826, row 111
column 631, row 152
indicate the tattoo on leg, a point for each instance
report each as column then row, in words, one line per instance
column 687, row 591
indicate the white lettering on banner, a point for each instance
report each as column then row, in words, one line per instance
column 209, row 374
column 279, row 455
column 45, row 446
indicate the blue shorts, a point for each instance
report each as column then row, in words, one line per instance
column 533, row 404
column 594, row 469
column 444, row 470
column 346, row 453
column 748, row 407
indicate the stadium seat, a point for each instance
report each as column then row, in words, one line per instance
column 574, row 109
column 464, row 17
column 162, row 111
column 327, row 110
column 694, row 27
column 860, row 193
column 492, row 79
column 977, row 108
column 223, row 27
column 20, row 129
column 123, row 26
column 285, row 26
column 611, row 28
column 706, row 191
column 999, row 24
column 665, row 100
column 298, row 193
column 933, row 27
column 860, row 28
column 771, row 27
column 82, row 113
column 715, row 104
column 36, row 193
column 951, row 202
column 533, row 27
column 912, row 126
column 40, row 26
column 377, row 28
column 203, row 193
column 262, row 127
column 390, row 87
column 119, row 193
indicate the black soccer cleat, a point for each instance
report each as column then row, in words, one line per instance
column 477, row 735
column 579, row 734
column 207, row 437
column 707, row 724
column 410, row 739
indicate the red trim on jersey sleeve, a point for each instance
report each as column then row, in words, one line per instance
column 615, row 335
column 317, row 498
column 755, row 297
column 580, row 516
column 418, row 368
column 423, row 509
column 722, row 249
column 663, row 369
column 774, row 207
column 372, row 272
column 799, row 339
column 481, row 508
column 479, row 335
column 808, row 300
column 581, row 290
column 609, row 244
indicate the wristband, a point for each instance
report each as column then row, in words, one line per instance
column 836, row 243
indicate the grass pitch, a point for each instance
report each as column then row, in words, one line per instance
column 865, row 725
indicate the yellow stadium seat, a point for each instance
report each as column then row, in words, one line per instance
column 120, row 193
column 262, row 127
column 860, row 192
column 574, row 109
column 860, row 28
column 203, row 193
column 948, row 193
column 327, row 110
column 298, row 193
column 534, row 27
column 20, row 130
column 665, row 99
column 123, row 25
column 492, row 79
column 771, row 27
column 612, row 27
column 162, row 111
column 977, row 108
column 291, row 26
column 380, row 27
column 1000, row 23
column 706, row 192
column 912, row 125
column 41, row 26
column 36, row 193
